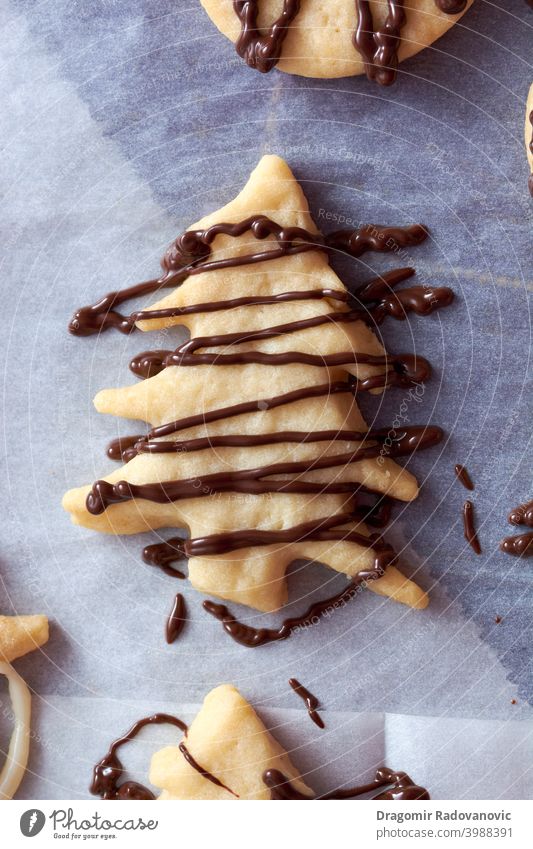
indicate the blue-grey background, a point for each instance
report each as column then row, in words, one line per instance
column 121, row 124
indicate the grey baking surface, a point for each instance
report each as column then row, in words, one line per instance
column 121, row 124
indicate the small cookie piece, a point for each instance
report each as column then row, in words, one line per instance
column 528, row 135
column 228, row 741
column 339, row 38
column 21, row 634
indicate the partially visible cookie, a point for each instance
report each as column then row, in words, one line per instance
column 21, row 634
column 229, row 741
column 338, row 38
column 528, row 133
column 18, row 636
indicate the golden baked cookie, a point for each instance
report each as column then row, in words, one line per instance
column 231, row 743
column 246, row 529
column 333, row 38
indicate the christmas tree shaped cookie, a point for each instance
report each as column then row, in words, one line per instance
column 231, row 744
column 257, row 444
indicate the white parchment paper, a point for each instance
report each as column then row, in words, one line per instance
column 119, row 128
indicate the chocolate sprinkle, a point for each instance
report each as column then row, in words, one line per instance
column 311, row 701
column 176, row 619
column 463, row 477
column 470, row 531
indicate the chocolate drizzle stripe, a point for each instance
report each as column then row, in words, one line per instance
column 108, row 772
column 149, row 363
column 469, row 527
column 421, row 300
column 318, row 529
column 203, row 772
column 176, row 620
column 260, row 405
column 185, row 355
column 251, row 481
column 248, row 301
column 262, row 50
column 379, row 48
column 251, row 637
column 463, row 477
column 189, row 254
column 310, row 700
column 411, row 438
column 400, row 787
column 121, row 449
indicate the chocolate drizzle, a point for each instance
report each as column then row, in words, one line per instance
column 469, row 527
column 190, row 254
column 403, row 369
column 262, row 50
column 108, row 772
column 162, row 554
column 311, row 701
column 379, row 48
column 410, row 439
column 399, row 787
column 149, row 363
column 463, row 477
column 203, row 772
column 176, row 619
column 521, row 544
column 251, row 637
column 249, row 481
column 121, row 449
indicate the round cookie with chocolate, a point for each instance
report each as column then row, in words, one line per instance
column 337, row 38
